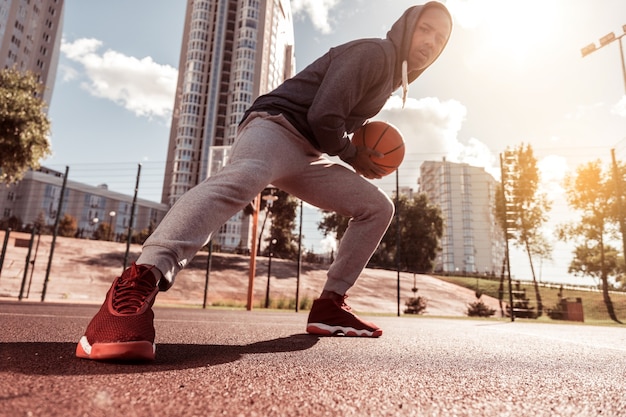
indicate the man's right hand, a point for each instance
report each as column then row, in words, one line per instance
column 364, row 163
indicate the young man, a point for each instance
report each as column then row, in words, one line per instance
column 282, row 140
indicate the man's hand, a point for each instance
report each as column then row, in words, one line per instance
column 363, row 163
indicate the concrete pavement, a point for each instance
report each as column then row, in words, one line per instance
column 259, row 363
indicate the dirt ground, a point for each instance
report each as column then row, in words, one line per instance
column 82, row 270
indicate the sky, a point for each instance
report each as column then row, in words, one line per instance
column 512, row 73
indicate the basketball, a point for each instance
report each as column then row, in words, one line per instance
column 382, row 137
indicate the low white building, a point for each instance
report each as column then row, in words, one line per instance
column 37, row 195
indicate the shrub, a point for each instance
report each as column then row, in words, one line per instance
column 415, row 305
column 479, row 309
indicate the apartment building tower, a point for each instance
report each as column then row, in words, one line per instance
column 30, row 38
column 472, row 241
column 232, row 51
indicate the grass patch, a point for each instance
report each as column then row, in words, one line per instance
column 594, row 308
column 281, row 303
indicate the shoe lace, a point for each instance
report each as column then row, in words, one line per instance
column 344, row 305
column 133, row 289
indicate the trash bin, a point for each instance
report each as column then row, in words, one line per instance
column 572, row 309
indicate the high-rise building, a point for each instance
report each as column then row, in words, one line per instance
column 30, row 38
column 232, row 51
column 472, row 241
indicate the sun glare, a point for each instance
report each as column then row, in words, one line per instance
column 553, row 169
column 509, row 28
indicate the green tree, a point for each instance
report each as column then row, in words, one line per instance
column 100, row 232
column 526, row 208
column 333, row 223
column 40, row 222
column 68, row 226
column 24, row 126
column 13, row 223
column 283, row 212
column 590, row 193
column 280, row 210
column 421, row 228
column 588, row 260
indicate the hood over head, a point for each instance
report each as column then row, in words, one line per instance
column 401, row 35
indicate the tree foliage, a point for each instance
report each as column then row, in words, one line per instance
column 421, row 228
column 333, row 223
column 13, row 223
column 24, row 126
column 283, row 212
column 525, row 209
column 591, row 193
column 68, row 226
column 587, row 260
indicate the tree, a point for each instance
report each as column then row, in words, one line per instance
column 281, row 209
column 24, row 126
column 68, row 226
column 333, row 223
column 13, row 223
column 588, row 260
column 590, row 192
column 283, row 212
column 526, row 208
column 40, row 222
column 421, row 227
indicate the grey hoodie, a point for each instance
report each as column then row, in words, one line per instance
column 342, row 89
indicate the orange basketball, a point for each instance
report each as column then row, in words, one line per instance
column 384, row 138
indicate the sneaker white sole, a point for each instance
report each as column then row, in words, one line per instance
column 328, row 330
column 139, row 351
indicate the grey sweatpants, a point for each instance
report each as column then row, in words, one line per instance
column 269, row 150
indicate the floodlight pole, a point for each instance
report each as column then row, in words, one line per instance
column 604, row 41
column 621, row 54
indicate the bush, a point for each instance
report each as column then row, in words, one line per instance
column 479, row 309
column 415, row 305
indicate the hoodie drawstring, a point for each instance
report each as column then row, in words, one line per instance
column 405, row 81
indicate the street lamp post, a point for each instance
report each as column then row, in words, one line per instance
column 94, row 223
column 269, row 201
column 111, row 216
column 604, row 41
column 269, row 273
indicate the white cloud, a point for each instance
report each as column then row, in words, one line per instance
column 430, row 128
column 478, row 154
column 142, row 86
column 620, row 108
column 329, row 243
column 553, row 169
column 585, row 111
column 68, row 72
column 317, row 10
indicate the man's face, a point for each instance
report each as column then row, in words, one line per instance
column 429, row 38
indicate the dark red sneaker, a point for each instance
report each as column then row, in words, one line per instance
column 123, row 329
column 335, row 318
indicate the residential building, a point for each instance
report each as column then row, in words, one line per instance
column 36, row 197
column 30, row 38
column 472, row 241
column 232, row 51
